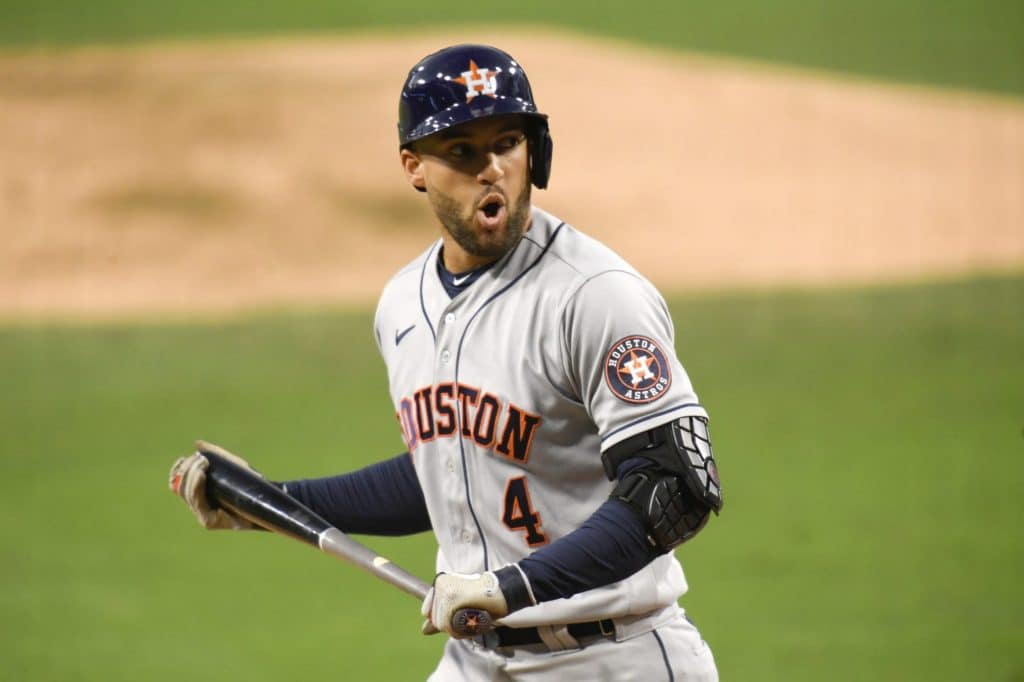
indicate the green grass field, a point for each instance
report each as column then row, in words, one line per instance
column 870, row 443
column 963, row 43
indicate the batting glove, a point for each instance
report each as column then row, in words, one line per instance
column 188, row 481
column 498, row 593
column 455, row 591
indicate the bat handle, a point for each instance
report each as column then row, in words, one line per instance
column 472, row 622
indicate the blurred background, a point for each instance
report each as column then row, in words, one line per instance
column 200, row 201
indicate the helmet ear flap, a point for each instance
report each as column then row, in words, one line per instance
column 541, row 150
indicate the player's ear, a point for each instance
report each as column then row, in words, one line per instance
column 412, row 164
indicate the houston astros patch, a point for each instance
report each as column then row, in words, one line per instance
column 636, row 370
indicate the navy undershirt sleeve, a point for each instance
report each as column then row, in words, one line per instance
column 382, row 499
column 609, row 546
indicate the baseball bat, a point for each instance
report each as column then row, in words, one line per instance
column 244, row 492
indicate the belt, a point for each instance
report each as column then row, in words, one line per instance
column 504, row 636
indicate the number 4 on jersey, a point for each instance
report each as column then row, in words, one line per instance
column 519, row 515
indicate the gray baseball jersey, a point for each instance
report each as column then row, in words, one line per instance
column 508, row 393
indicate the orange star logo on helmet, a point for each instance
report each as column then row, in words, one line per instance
column 478, row 81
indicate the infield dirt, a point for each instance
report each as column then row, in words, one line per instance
column 210, row 177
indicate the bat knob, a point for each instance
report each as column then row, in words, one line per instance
column 471, row 622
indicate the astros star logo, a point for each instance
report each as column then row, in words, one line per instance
column 478, row 82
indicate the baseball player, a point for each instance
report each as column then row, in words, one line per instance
column 556, row 446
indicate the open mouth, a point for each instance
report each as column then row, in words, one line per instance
column 491, row 208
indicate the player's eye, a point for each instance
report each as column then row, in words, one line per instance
column 509, row 142
column 460, row 150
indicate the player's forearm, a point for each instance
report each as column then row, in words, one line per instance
column 610, row 546
column 381, row 499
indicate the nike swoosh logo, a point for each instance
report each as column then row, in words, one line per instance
column 401, row 335
column 457, row 281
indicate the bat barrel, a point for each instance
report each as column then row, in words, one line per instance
column 246, row 493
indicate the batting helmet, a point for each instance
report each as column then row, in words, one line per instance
column 466, row 82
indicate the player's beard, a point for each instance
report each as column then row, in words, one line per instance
column 475, row 242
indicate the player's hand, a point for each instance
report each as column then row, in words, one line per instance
column 188, row 481
column 455, row 591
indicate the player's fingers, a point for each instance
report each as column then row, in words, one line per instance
column 190, row 482
column 182, row 477
column 426, row 610
column 193, row 483
column 177, row 472
column 428, row 602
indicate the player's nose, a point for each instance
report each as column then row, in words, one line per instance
column 492, row 170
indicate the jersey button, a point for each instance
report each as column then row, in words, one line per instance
column 445, row 356
column 467, row 536
column 451, row 465
column 449, row 318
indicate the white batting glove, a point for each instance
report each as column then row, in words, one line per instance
column 454, row 591
column 188, row 481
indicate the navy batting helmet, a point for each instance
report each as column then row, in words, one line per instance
column 466, row 82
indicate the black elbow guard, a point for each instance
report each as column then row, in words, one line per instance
column 677, row 492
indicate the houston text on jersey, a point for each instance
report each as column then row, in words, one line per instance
column 433, row 412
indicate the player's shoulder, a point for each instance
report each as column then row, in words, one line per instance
column 590, row 280
column 578, row 258
column 399, row 300
column 407, row 279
